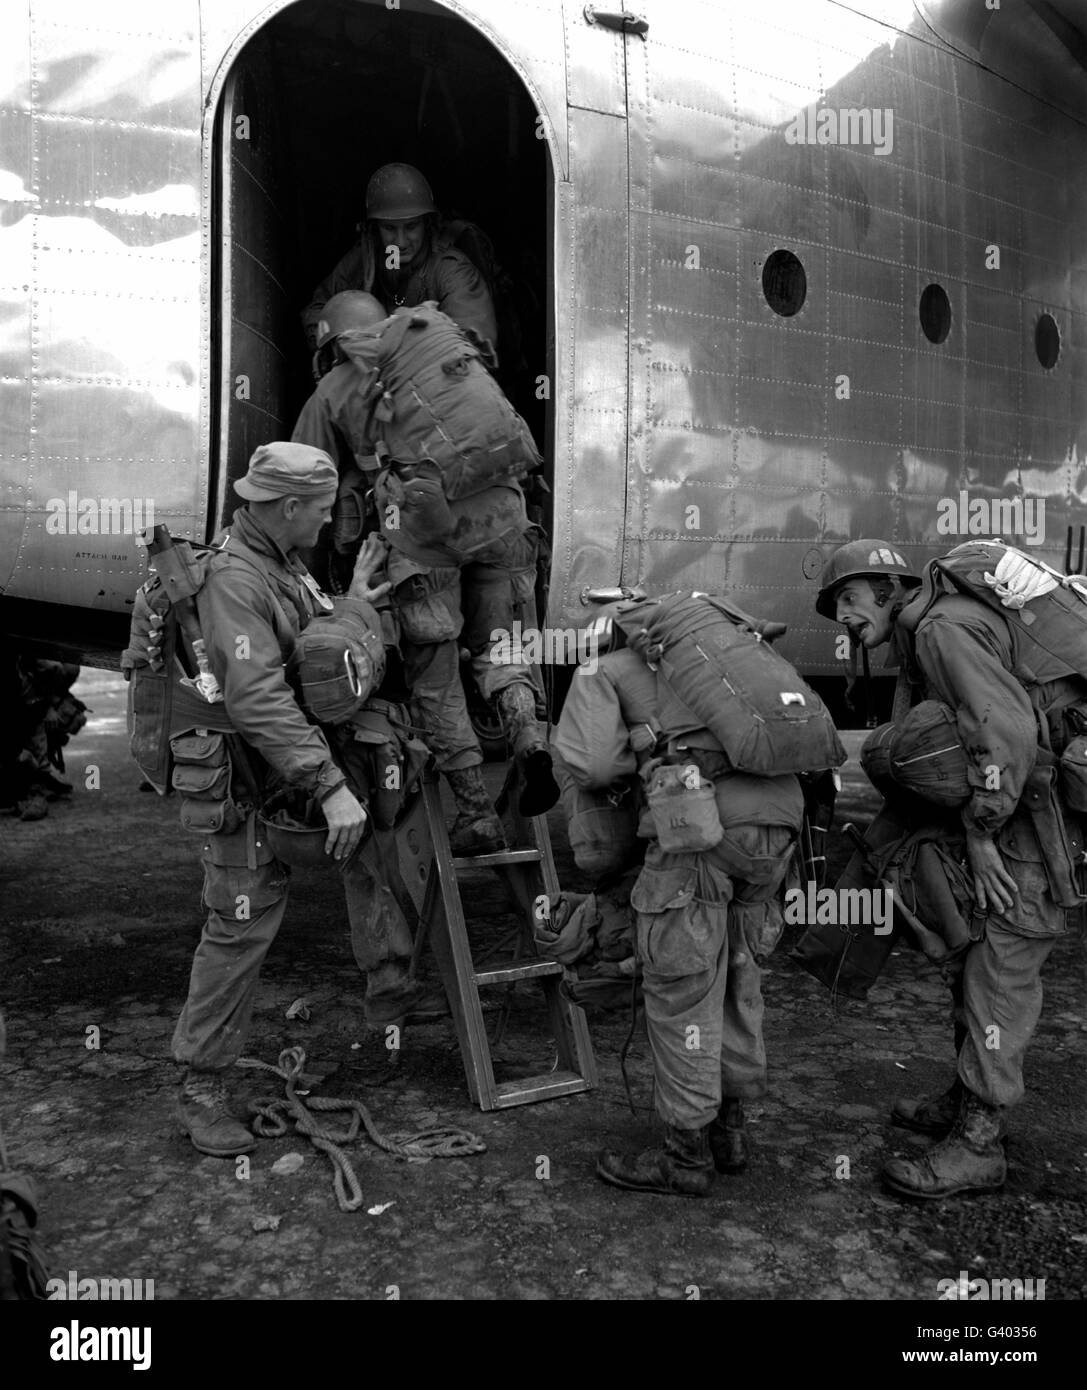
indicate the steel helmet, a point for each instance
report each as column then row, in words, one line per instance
column 858, row 558
column 295, row 827
column 348, row 309
column 397, row 193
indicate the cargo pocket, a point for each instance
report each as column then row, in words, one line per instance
column 202, row 777
column 760, row 926
column 1033, row 911
column 676, row 935
column 757, row 854
column 427, row 616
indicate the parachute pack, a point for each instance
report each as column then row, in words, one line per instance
column 433, row 398
column 717, row 670
column 1046, row 610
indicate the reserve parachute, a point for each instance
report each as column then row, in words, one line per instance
column 717, row 670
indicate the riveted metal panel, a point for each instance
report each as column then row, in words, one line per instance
column 591, row 328
column 756, row 436
column 100, row 118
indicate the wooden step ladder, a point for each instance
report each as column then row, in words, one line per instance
column 429, row 870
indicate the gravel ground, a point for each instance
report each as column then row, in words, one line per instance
column 100, row 914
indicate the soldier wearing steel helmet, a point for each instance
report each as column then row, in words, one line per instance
column 405, row 257
column 958, row 651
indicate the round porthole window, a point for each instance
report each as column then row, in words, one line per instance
column 935, row 311
column 784, row 283
column 1047, row 341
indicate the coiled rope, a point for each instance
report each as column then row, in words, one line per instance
column 272, row 1116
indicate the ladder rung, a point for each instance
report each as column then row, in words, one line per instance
column 530, row 969
column 490, row 861
column 545, row 1087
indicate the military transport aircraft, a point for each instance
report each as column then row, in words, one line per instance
column 786, row 273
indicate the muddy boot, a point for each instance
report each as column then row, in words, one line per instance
column 970, row 1159
column 203, row 1112
column 728, row 1137
column 934, row 1116
column 53, row 784
column 33, row 806
column 528, row 738
column 393, row 996
column 476, row 829
column 683, row 1168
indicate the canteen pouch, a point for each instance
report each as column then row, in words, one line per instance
column 202, row 778
column 684, row 808
column 1073, row 774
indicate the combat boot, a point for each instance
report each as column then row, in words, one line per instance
column 394, row 996
column 970, row 1159
column 728, row 1137
column 934, row 1116
column 682, row 1168
column 476, row 829
column 204, row 1114
column 527, row 736
column 33, row 806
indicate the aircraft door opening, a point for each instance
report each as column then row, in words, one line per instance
column 323, row 95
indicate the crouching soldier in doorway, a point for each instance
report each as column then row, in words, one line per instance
column 256, row 599
column 414, row 390
column 705, row 907
column 1010, row 838
column 406, row 257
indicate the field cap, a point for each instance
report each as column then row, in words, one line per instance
column 282, row 469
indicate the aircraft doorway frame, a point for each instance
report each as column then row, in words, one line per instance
column 219, row 337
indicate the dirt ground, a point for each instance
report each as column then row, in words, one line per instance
column 100, row 914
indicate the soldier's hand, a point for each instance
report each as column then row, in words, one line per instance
column 371, row 558
column 994, row 887
column 154, row 641
column 346, row 822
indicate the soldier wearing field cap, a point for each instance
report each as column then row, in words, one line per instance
column 958, row 651
column 405, row 257
column 256, row 599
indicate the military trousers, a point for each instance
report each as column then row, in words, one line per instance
column 441, row 609
column 702, row 928
column 245, row 893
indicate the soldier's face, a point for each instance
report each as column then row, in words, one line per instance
column 406, row 237
column 858, row 609
column 306, row 517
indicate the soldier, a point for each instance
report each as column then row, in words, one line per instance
column 403, row 258
column 256, row 599
column 414, row 387
column 704, row 922
column 959, row 651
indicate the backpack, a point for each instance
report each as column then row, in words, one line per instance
column 1046, row 610
column 433, row 399
column 717, row 670
column 1046, row 616
column 163, row 701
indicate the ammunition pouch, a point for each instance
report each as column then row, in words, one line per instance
column 683, row 805
column 202, row 777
